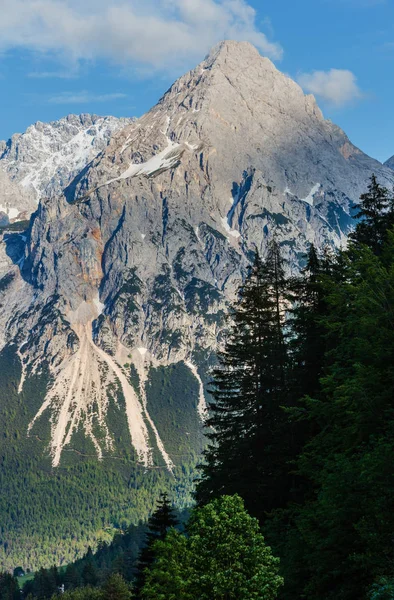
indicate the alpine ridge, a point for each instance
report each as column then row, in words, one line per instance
column 126, row 273
column 390, row 163
column 44, row 159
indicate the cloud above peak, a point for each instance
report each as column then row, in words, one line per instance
column 336, row 86
column 83, row 97
column 157, row 34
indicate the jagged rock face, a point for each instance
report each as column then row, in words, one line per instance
column 44, row 159
column 390, row 163
column 143, row 252
column 15, row 202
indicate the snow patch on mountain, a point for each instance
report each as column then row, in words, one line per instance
column 44, row 160
column 162, row 161
column 10, row 211
column 233, row 232
column 310, row 197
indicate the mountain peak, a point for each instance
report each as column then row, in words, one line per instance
column 230, row 54
column 232, row 48
column 390, row 163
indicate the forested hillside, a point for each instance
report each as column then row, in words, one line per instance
column 52, row 515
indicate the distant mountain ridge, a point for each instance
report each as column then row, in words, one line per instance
column 390, row 163
column 43, row 160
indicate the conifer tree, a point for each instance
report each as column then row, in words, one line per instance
column 83, row 593
column 116, row 588
column 89, row 571
column 376, row 216
column 307, row 331
column 346, row 526
column 162, row 519
column 247, row 454
column 307, row 348
column 9, row 588
column 72, row 578
column 44, row 584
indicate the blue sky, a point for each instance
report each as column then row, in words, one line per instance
column 119, row 56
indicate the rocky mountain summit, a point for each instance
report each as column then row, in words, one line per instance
column 134, row 264
column 42, row 161
column 390, row 163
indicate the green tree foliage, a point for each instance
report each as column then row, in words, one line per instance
column 308, row 306
column 223, row 557
column 328, row 430
column 348, row 525
column 72, row 578
column 170, row 576
column 338, row 540
column 162, row 519
column 119, row 557
column 116, row 588
column 376, row 217
column 44, row 585
column 9, row 588
column 382, row 590
column 89, row 571
column 85, row 593
column 250, row 388
column 18, row 572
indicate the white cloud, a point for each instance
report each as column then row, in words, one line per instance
column 336, row 86
column 52, row 75
column 159, row 34
column 83, row 97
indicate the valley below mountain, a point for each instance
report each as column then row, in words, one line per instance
column 114, row 296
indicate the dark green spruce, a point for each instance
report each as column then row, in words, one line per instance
column 247, row 453
column 163, row 518
column 342, row 533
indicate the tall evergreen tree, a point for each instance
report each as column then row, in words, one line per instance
column 310, row 348
column 307, row 348
column 162, row 519
column 376, row 216
column 346, row 527
column 9, row 588
column 72, row 578
column 44, row 584
column 246, row 453
column 116, row 588
column 305, row 322
column 89, row 571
